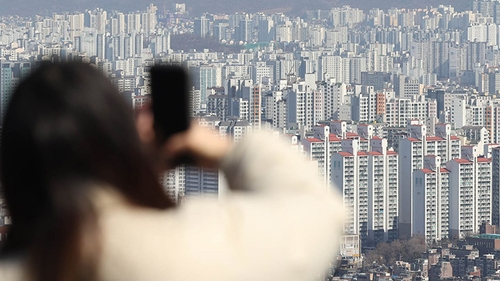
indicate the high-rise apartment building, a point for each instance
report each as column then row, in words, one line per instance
column 203, row 182
column 412, row 151
column 470, row 195
column 173, row 181
column 320, row 148
column 366, row 106
column 326, row 140
column 203, row 78
column 334, row 95
column 117, row 24
column 255, row 107
column 431, row 200
column 495, row 186
column 265, row 30
column 244, row 31
column 76, row 24
column 369, row 184
column 10, row 75
column 202, row 27
column 378, row 80
column 337, row 67
column 133, row 23
column 217, row 105
column 299, row 106
column 399, row 110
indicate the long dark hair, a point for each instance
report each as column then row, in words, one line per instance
column 68, row 130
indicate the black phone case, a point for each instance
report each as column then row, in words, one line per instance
column 170, row 100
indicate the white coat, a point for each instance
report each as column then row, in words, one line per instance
column 278, row 222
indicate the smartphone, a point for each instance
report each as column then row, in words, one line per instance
column 170, row 100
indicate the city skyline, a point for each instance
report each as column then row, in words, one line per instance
column 198, row 7
column 398, row 109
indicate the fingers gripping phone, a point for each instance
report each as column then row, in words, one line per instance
column 170, row 100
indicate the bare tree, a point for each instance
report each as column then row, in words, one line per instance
column 398, row 250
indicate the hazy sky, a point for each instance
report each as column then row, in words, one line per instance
column 31, row 7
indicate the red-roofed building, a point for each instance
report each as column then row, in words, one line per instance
column 412, row 151
column 430, row 200
column 312, row 140
column 462, row 161
column 369, row 184
column 483, row 160
column 470, row 200
column 315, row 148
column 334, row 137
column 434, row 139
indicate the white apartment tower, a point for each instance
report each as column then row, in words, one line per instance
column 174, row 183
column 482, row 182
column 431, row 200
column 321, row 147
column 350, row 177
column 334, row 95
column 296, row 108
column 412, row 152
column 203, row 182
column 470, row 195
column 369, row 184
column 333, row 134
column 382, row 192
column 400, row 110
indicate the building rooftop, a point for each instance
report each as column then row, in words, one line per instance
column 434, row 138
column 217, row 96
column 462, row 161
column 313, row 140
column 334, row 137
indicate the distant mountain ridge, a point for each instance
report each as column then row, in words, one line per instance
column 196, row 7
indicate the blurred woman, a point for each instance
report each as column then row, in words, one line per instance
column 86, row 203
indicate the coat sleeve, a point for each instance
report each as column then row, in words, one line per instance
column 288, row 216
column 279, row 222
